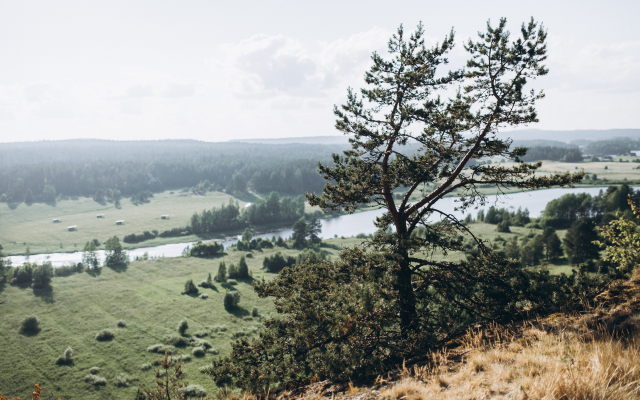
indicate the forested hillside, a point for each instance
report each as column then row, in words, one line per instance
column 41, row 171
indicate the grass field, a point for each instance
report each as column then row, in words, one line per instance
column 148, row 297
column 33, row 225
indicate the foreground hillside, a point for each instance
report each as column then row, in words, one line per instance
column 147, row 297
column 590, row 355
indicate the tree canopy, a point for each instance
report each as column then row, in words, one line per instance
column 390, row 298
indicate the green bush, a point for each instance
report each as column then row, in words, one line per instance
column 105, row 335
column 67, row 270
column 177, row 341
column 94, row 370
column 122, row 380
column 122, row 324
column 243, row 269
column 145, row 367
column 212, row 351
column 190, row 288
column 156, row 348
column 66, row 358
column 233, row 271
column 232, row 282
column 42, row 275
column 254, row 312
column 30, row 325
column 95, row 380
column 277, row 262
column 183, row 326
column 231, row 300
column 198, row 352
column 193, row 391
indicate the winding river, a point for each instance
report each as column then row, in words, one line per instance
column 344, row 225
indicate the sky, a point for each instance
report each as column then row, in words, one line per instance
column 222, row 70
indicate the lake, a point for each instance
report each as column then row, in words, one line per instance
column 344, row 225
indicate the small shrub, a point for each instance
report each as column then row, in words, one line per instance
column 231, row 300
column 204, row 296
column 156, row 348
column 66, row 358
column 201, row 334
column 122, row 380
column 190, row 288
column 105, row 335
column 94, row 371
column 95, row 380
column 232, row 282
column 183, row 357
column 212, row 351
column 195, row 342
column 249, row 255
column 183, row 326
column 254, row 312
column 122, row 324
column 198, row 352
column 145, row 367
column 30, row 325
column 177, row 341
column 193, row 391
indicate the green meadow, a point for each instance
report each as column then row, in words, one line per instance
column 147, row 296
column 32, row 225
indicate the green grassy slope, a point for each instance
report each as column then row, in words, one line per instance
column 33, row 224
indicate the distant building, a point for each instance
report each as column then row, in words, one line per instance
column 164, row 216
column 72, row 228
column 120, row 222
column 635, row 152
column 100, row 216
column 56, row 220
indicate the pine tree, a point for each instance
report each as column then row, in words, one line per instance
column 243, row 268
column 390, row 300
column 210, row 281
column 221, row 276
column 579, row 242
column 299, row 233
column 552, row 244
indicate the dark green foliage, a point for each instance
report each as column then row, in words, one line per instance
column 310, row 255
column 238, row 184
column 280, row 242
column 198, row 352
column 503, row 226
column 299, row 233
column 193, row 391
column 30, row 326
column 277, row 262
column 233, row 271
column 231, row 300
column 247, row 235
column 532, row 250
column 210, row 281
column 139, row 168
column 95, row 380
column 66, row 358
column 23, row 275
column 104, row 335
column 314, row 229
column 553, row 154
column 182, row 328
column 273, row 209
column 578, row 242
column 42, row 275
column 552, row 244
column 89, row 256
column 385, row 303
column 115, row 257
column 560, row 213
column 190, row 288
column 221, row 276
column 495, row 216
column 243, row 269
column 122, row 323
column 210, row 249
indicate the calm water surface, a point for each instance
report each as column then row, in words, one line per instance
column 345, row 225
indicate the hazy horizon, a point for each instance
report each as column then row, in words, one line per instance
column 256, row 70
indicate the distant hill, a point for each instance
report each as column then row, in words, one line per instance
column 327, row 140
column 568, row 136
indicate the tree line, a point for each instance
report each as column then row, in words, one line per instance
column 288, row 168
column 226, row 218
